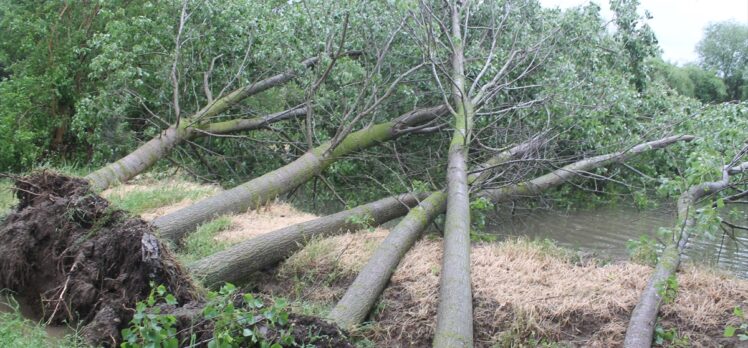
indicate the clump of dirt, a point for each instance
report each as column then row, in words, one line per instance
column 308, row 330
column 80, row 259
column 86, row 262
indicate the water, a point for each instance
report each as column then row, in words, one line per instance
column 606, row 230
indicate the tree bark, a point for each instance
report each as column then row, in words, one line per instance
column 640, row 331
column 241, row 260
column 262, row 189
column 149, row 153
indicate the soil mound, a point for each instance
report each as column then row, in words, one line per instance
column 82, row 261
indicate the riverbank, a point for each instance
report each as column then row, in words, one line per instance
column 526, row 293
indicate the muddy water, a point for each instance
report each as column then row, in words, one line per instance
column 605, row 232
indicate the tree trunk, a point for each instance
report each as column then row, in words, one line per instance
column 260, row 190
column 363, row 293
column 640, row 331
column 454, row 322
column 241, row 260
column 149, row 153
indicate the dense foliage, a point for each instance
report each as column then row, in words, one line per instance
column 83, row 83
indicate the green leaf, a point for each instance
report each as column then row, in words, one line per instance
column 738, row 312
column 729, row 331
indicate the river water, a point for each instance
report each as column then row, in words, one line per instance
column 606, row 230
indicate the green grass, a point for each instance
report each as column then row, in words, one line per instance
column 7, row 198
column 17, row 331
column 201, row 243
column 140, row 201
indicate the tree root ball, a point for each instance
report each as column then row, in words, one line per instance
column 81, row 261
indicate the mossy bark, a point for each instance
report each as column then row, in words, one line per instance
column 640, row 331
column 454, row 322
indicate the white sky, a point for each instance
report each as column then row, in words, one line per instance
column 678, row 24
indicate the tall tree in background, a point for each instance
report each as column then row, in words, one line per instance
column 635, row 35
column 724, row 49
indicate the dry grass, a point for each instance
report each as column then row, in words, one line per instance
column 322, row 270
column 158, row 199
column 263, row 220
column 524, row 293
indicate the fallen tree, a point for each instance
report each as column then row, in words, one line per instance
column 241, row 260
column 454, row 322
column 195, row 125
column 236, row 263
column 564, row 174
column 262, row 189
column 640, row 331
column 361, row 296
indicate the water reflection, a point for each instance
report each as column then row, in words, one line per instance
column 605, row 231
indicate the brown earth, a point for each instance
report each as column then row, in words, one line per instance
column 81, row 260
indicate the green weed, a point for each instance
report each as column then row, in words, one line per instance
column 202, row 242
column 643, row 251
column 17, row 331
column 740, row 331
column 670, row 337
column 236, row 323
column 140, row 201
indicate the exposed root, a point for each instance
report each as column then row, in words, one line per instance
column 81, row 260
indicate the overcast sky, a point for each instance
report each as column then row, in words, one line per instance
column 678, row 24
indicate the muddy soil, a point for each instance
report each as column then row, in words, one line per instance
column 82, row 261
